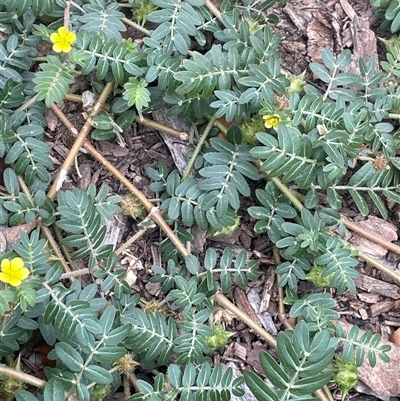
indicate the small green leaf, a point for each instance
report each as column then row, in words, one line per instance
column 69, row 357
column 23, row 395
column 174, row 375
column 11, row 181
column 136, row 93
column 54, row 390
column 98, row 374
column 259, row 388
column 274, row 372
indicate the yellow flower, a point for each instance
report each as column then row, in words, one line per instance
column 13, row 271
column 62, row 40
column 271, row 121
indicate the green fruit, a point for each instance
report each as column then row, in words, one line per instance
column 227, row 230
column 250, row 128
column 345, row 375
column 219, row 339
column 315, row 276
column 297, row 83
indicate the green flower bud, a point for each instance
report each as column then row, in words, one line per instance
column 254, row 26
column 144, row 9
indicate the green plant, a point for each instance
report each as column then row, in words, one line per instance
column 285, row 132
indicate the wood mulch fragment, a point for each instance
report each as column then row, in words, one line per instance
column 376, row 286
column 244, row 305
column 380, row 307
column 378, row 226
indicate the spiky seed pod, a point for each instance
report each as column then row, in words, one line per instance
column 131, row 206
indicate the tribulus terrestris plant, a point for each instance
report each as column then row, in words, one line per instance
column 284, row 133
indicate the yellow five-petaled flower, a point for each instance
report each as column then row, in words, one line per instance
column 62, row 40
column 271, row 121
column 13, row 271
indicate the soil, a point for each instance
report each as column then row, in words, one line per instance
column 306, row 27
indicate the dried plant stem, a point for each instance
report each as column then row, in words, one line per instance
column 381, row 267
column 371, row 236
column 27, row 104
column 222, row 300
column 198, row 148
column 160, row 127
column 144, row 121
column 133, row 380
column 23, row 377
column 275, row 252
column 45, row 230
column 127, row 389
column 136, row 26
column 130, row 241
column 76, row 273
column 287, row 192
column 64, row 250
column 213, row 9
column 154, row 212
column 81, row 136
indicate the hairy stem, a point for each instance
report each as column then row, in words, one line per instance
column 23, row 377
column 81, row 136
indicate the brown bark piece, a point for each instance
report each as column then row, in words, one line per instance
column 319, row 36
column 363, row 313
column 240, row 352
column 381, row 307
column 373, row 285
column 383, row 380
column 378, row 226
column 364, row 40
column 368, row 298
